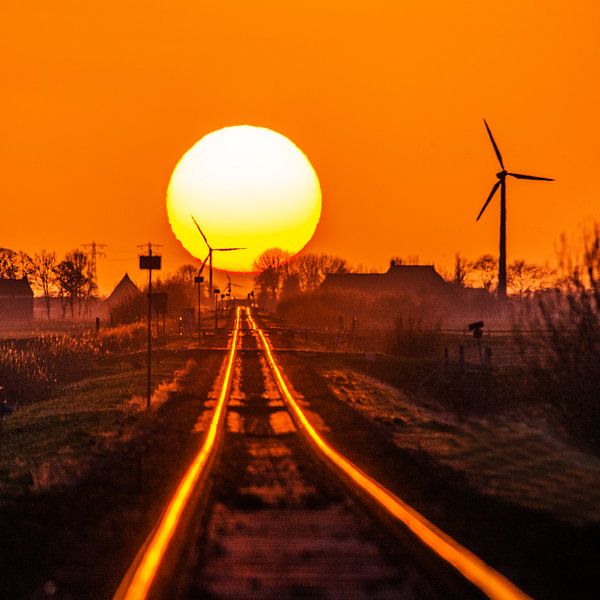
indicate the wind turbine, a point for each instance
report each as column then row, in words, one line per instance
column 199, row 279
column 229, row 284
column 210, row 253
column 501, row 183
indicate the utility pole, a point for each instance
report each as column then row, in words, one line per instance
column 150, row 262
column 94, row 252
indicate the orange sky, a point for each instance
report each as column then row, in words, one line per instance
column 100, row 99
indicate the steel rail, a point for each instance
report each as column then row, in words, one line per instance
column 484, row 577
column 137, row 583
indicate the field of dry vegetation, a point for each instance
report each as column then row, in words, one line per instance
column 84, row 468
column 73, row 398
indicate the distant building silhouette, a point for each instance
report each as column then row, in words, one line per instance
column 16, row 301
column 124, row 290
column 408, row 280
column 416, row 288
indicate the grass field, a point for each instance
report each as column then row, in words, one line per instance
column 86, row 472
column 52, row 441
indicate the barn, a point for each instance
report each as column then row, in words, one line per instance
column 16, row 301
column 411, row 280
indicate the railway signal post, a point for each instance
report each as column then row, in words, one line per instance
column 199, row 280
column 217, row 291
column 150, row 262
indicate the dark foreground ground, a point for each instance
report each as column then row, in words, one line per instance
column 76, row 541
column 548, row 555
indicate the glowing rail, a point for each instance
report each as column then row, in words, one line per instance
column 484, row 577
column 136, row 584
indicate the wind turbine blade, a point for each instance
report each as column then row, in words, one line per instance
column 203, row 264
column 489, row 198
column 519, row 176
column 494, row 144
column 200, row 230
column 227, row 249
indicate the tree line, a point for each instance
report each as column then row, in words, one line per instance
column 523, row 278
column 70, row 279
column 279, row 274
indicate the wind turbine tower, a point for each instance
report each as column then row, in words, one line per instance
column 210, row 254
column 501, row 183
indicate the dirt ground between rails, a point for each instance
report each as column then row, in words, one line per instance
column 75, row 541
column 523, row 500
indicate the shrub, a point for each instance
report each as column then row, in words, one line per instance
column 565, row 370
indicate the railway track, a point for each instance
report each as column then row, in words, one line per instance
column 268, row 509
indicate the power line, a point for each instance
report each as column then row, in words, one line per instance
column 149, row 246
column 94, row 252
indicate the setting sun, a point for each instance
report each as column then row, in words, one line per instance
column 240, row 240
column 247, row 187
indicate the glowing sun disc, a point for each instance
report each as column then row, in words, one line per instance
column 247, row 187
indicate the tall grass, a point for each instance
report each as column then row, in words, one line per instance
column 412, row 336
column 32, row 369
column 565, row 370
column 123, row 337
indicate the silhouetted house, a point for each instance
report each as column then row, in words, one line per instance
column 16, row 301
column 124, row 290
column 419, row 281
column 416, row 287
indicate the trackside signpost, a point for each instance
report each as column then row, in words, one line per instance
column 150, row 263
column 199, row 280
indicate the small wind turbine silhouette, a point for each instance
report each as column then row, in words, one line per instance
column 501, row 183
column 210, row 253
column 229, row 284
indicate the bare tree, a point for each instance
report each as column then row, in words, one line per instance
column 333, row 264
column 307, row 271
column 311, row 269
column 43, row 274
column 486, row 266
column 411, row 259
column 14, row 264
column 462, row 268
column 73, row 279
column 525, row 278
column 270, row 268
column 186, row 273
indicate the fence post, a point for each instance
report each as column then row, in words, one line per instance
column 488, row 357
column 461, row 358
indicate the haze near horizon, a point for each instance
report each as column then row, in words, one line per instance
column 386, row 101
